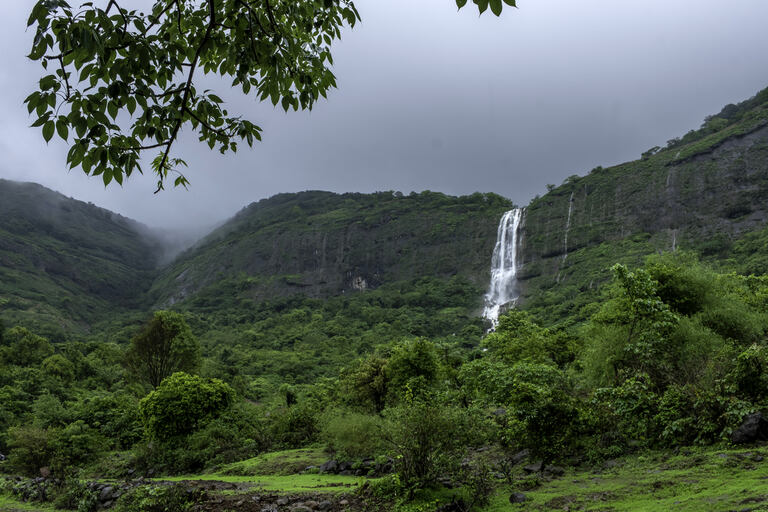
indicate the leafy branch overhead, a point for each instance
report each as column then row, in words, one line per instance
column 122, row 82
column 482, row 5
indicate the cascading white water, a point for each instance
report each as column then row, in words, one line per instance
column 504, row 266
column 567, row 227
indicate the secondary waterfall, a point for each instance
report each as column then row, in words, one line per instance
column 567, row 227
column 504, row 266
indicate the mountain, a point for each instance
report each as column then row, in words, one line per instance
column 321, row 244
column 706, row 192
column 65, row 264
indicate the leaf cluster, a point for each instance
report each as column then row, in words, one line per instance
column 124, row 81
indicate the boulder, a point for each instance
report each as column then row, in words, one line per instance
column 533, row 468
column 520, row 457
column 517, row 497
column 106, row 493
column 554, row 470
column 754, row 428
column 330, row 467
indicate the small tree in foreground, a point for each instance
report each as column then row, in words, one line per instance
column 182, row 404
column 165, row 345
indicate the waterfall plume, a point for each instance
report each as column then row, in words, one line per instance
column 503, row 288
column 567, row 227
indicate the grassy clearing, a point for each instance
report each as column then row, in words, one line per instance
column 286, row 462
column 288, row 484
column 8, row 504
column 711, row 480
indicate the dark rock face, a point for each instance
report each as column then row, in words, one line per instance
column 754, row 428
column 321, row 244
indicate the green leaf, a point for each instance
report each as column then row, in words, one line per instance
column 62, row 129
column 461, row 3
column 48, row 129
column 511, row 3
column 496, row 7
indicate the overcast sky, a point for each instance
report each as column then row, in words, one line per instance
column 431, row 98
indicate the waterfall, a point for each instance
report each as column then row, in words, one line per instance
column 567, row 227
column 504, row 266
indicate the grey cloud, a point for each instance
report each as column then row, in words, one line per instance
column 430, row 98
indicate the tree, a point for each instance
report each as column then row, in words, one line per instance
column 24, row 348
column 125, row 82
column 182, row 404
column 164, row 346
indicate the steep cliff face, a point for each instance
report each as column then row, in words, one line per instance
column 702, row 196
column 320, row 244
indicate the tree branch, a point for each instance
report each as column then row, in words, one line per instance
column 187, row 91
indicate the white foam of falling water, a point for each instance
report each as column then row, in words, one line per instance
column 567, row 227
column 504, row 266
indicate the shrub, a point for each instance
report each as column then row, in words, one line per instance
column 426, row 439
column 174, row 498
column 295, row 426
column 542, row 414
column 75, row 495
column 75, row 444
column 353, row 435
column 182, row 404
column 628, row 411
column 751, row 373
column 30, row 448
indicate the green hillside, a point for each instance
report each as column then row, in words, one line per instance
column 66, row 264
column 321, row 244
column 704, row 192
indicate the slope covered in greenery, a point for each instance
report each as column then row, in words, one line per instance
column 320, row 244
column 65, row 264
column 704, row 192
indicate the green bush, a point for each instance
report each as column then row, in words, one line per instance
column 426, row 438
column 75, row 444
column 353, row 435
column 542, row 415
column 295, row 426
column 30, row 449
column 75, row 495
column 174, row 498
column 751, row 373
column 182, row 404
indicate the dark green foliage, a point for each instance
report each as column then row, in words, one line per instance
column 165, row 345
column 138, row 60
column 65, row 264
column 751, row 373
column 295, row 426
column 29, row 449
column 182, row 404
column 23, row 348
column 173, row 498
column 414, row 365
column 366, row 383
column 352, row 435
column 427, row 439
column 75, row 495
